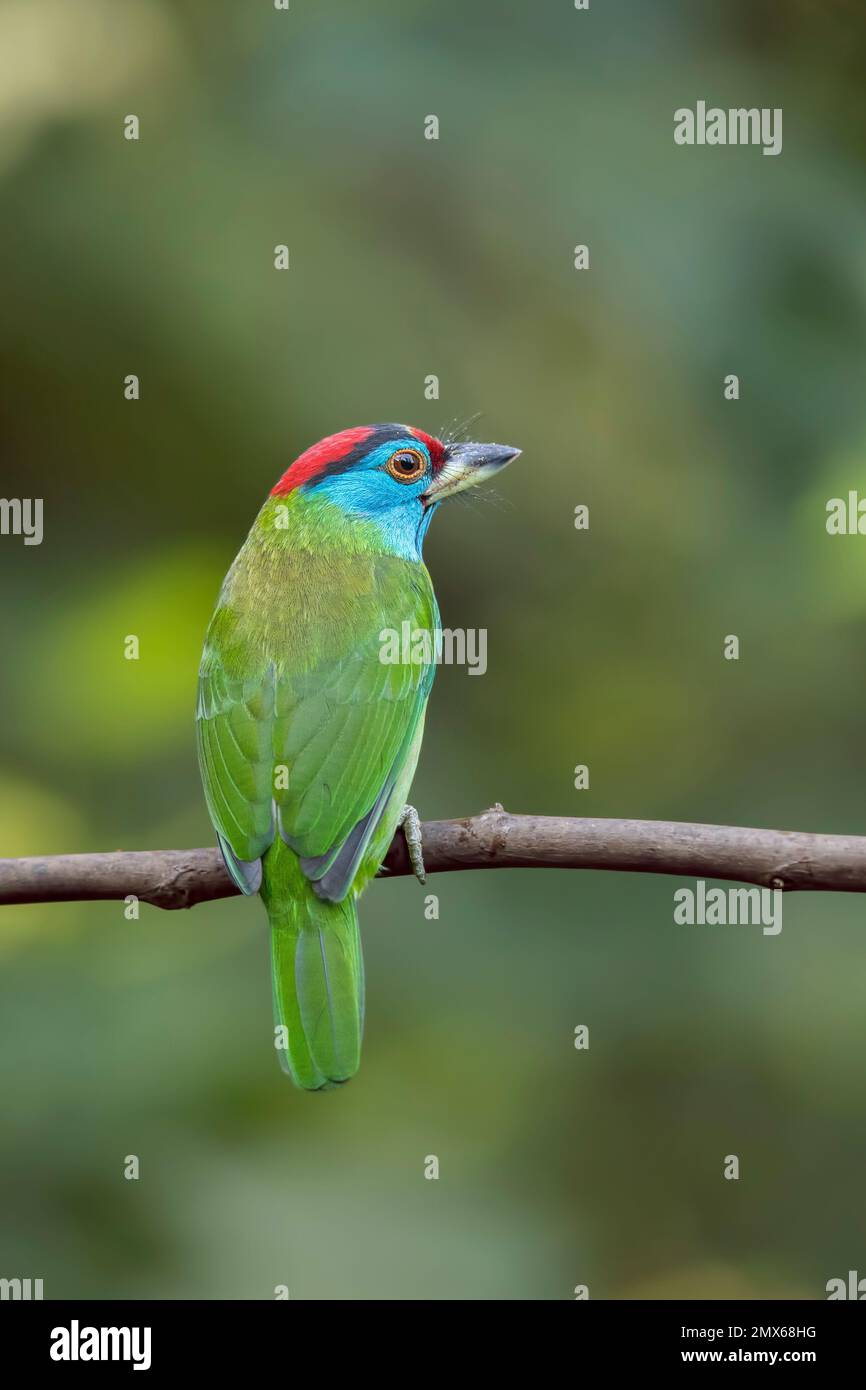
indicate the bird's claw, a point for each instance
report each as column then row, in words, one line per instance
column 410, row 824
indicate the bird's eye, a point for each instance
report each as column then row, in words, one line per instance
column 407, row 465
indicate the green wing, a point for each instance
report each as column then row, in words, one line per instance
column 234, row 722
column 307, row 742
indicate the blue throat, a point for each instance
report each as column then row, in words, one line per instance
column 403, row 524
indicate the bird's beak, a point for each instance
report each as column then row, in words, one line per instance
column 464, row 466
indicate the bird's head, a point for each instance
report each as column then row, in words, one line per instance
column 391, row 474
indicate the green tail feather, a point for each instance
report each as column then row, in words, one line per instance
column 318, row 977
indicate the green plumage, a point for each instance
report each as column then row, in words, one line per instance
column 307, row 745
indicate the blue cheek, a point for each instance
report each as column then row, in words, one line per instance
column 369, row 492
column 376, row 496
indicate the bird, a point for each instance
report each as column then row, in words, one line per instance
column 307, row 738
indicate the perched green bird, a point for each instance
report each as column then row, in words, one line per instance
column 307, row 737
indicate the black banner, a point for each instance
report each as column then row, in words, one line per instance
column 166, row 1338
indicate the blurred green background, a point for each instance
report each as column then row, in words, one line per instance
column 411, row 257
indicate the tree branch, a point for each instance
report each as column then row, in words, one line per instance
column 495, row 839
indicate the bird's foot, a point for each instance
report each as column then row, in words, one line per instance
column 410, row 824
